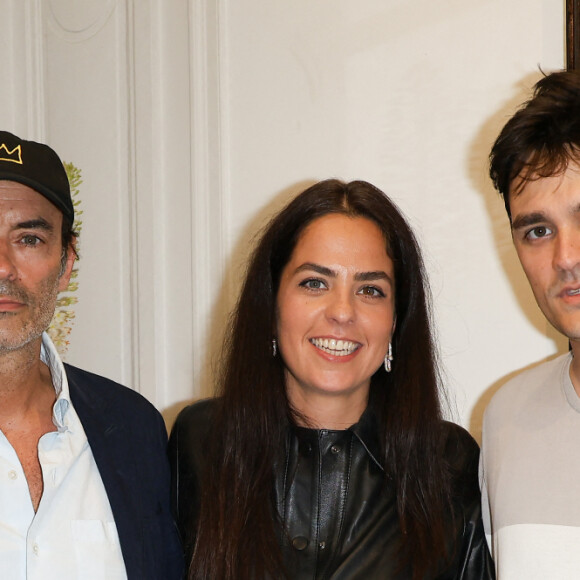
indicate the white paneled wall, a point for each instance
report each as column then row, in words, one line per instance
column 122, row 89
column 193, row 120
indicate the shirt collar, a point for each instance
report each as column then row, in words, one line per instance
column 50, row 357
column 367, row 432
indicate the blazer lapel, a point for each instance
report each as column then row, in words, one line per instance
column 109, row 443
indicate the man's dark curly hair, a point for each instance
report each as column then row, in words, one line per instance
column 543, row 136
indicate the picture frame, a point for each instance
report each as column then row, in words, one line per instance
column 572, row 34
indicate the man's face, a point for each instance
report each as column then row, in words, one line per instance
column 546, row 234
column 31, row 274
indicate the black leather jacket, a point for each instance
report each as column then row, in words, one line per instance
column 340, row 520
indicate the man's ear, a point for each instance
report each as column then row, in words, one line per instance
column 68, row 267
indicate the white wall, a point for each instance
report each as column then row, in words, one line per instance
column 410, row 96
column 194, row 120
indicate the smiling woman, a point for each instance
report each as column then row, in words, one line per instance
column 325, row 454
column 336, row 306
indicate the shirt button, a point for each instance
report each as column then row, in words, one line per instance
column 335, row 448
column 322, row 545
column 300, row 543
column 12, row 474
column 35, row 549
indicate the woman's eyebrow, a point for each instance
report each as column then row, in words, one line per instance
column 369, row 276
column 322, row 270
column 359, row 276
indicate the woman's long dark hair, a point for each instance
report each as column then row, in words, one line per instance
column 238, row 532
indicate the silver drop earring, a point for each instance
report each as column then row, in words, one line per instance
column 389, row 359
column 274, row 347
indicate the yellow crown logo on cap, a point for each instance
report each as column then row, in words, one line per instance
column 14, row 156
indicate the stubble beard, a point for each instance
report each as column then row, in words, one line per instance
column 19, row 329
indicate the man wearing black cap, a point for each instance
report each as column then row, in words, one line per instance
column 84, row 484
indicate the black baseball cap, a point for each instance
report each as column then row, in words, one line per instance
column 37, row 166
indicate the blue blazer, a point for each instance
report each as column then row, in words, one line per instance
column 128, row 440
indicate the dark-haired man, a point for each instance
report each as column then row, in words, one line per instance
column 84, row 484
column 530, row 462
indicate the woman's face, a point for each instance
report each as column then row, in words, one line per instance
column 335, row 312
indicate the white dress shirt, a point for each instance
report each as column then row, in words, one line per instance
column 73, row 535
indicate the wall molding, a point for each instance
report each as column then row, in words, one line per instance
column 75, row 25
column 35, row 66
column 209, row 179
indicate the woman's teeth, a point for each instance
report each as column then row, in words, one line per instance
column 334, row 346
